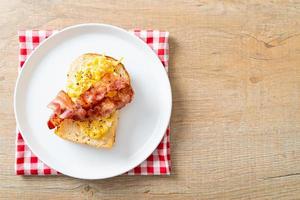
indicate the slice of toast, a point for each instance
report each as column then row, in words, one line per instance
column 70, row 130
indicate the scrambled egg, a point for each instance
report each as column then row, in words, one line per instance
column 91, row 72
column 96, row 128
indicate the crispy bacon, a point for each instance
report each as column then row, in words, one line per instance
column 55, row 107
column 61, row 102
column 54, row 121
column 50, row 124
column 66, row 114
column 80, row 114
column 100, row 100
column 105, row 108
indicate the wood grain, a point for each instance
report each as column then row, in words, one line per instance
column 235, row 75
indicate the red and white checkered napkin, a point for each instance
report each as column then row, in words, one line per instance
column 158, row 163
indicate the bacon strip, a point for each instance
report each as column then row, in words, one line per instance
column 54, row 121
column 61, row 102
column 100, row 100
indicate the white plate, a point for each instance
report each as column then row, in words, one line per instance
column 142, row 122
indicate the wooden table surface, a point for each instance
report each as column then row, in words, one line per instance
column 235, row 76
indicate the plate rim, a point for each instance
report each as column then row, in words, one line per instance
column 169, row 96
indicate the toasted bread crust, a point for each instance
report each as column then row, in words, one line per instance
column 70, row 130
